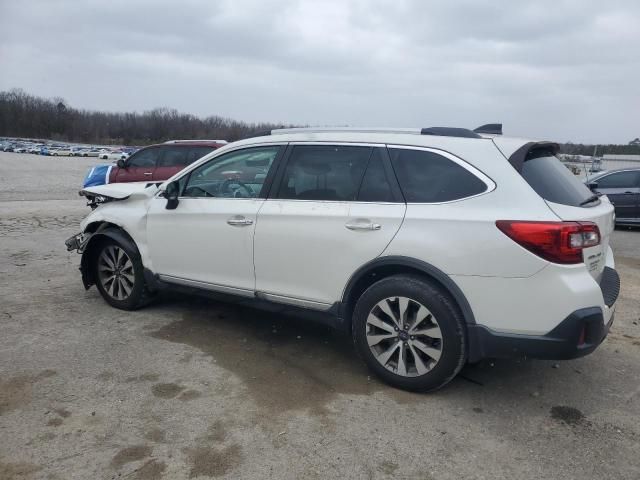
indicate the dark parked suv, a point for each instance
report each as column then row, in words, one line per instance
column 161, row 162
column 623, row 189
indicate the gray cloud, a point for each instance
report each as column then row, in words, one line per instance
column 562, row 70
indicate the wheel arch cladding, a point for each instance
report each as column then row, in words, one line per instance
column 103, row 231
column 383, row 267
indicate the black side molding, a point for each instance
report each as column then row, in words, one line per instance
column 490, row 129
column 418, row 265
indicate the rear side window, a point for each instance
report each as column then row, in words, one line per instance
column 375, row 184
column 427, row 177
column 553, row 181
column 324, row 172
column 628, row 179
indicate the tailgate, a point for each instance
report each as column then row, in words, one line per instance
column 602, row 215
column 565, row 194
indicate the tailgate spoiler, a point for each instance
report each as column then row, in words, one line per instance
column 516, row 150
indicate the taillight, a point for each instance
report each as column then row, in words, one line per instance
column 558, row 242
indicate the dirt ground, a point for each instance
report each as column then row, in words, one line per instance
column 190, row 388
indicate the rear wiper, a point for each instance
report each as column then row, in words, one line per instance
column 592, row 198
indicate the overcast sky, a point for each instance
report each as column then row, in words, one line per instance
column 561, row 70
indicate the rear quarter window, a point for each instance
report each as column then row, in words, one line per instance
column 427, row 177
column 553, row 181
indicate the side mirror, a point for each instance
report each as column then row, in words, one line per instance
column 121, row 163
column 171, row 193
column 592, row 185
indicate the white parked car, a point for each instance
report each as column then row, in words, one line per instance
column 89, row 152
column 431, row 248
column 113, row 155
column 76, row 151
column 35, row 148
column 61, row 152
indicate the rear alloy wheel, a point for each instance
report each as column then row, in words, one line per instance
column 118, row 274
column 410, row 333
column 404, row 336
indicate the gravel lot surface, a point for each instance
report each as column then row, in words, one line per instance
column 190, row 388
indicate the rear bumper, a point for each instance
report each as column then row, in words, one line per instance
column 577, row 335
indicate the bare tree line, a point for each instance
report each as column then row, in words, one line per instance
column 29, row 116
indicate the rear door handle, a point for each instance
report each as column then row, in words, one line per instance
column 148, row 173
column 363, row 226
column 239, row 221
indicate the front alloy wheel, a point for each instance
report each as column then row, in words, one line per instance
column 116, row 273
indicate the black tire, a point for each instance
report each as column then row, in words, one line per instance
column 139, row 294
column 449, row 320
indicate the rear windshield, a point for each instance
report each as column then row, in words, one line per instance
column 554, row 182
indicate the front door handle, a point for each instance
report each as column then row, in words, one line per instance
column 148, row 173
column 239, row 221
column 363, row 226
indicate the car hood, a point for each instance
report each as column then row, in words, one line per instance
column 120, row 191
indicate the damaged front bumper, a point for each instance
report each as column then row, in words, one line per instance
column 77, row 242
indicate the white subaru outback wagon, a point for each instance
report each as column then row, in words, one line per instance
column 431, row 248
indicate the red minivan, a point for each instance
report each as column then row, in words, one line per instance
column 161, row 162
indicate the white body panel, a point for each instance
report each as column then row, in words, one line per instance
column 304, row 249
column 533, row 305
column 195, row 242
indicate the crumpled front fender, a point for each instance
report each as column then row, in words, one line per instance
column 91, row 249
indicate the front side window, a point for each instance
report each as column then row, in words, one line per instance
column 427, row 177
column 173, row 156
column 619, row 180
column 238, row 174
column 144, row 158
column 324, row 172
column 197, row 152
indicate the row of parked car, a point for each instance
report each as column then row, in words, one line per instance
column 64, row 150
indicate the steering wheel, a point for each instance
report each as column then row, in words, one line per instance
column 225, row 187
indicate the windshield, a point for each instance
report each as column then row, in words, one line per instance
column 554, row 182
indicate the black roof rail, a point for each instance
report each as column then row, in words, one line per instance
column 450, row 132
column 261, row 133
column 490, row 128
